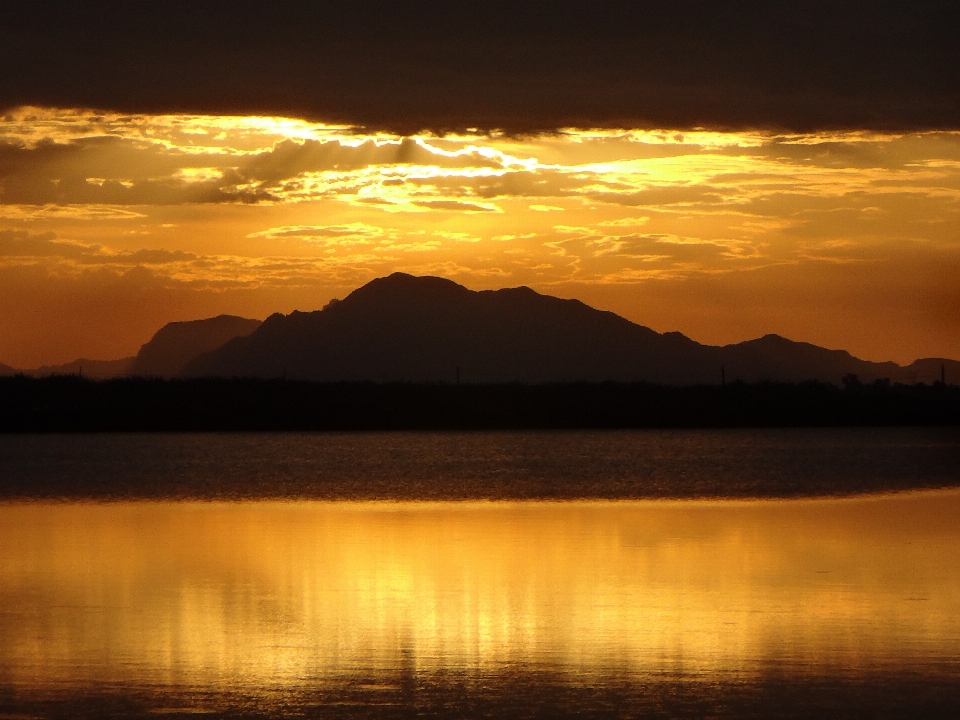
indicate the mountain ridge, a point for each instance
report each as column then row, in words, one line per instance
column 164, row 355
column 428, row 329
column 176, row 343
column 95, row 369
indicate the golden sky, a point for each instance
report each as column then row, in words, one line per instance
column 112, row 225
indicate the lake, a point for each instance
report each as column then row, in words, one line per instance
column 679, row 574
column 607, row 464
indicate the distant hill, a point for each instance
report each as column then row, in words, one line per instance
column 428, row 329
column 176, row 343
column 97, row 369
column 776, row 358
column 168, row 351
column 928, row 370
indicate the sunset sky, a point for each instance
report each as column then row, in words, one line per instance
column 705, row 210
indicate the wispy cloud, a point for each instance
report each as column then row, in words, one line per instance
column 356, row 233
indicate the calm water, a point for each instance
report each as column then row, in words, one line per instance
column 155, row 604
column 489, row 465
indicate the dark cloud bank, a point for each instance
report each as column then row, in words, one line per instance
column 517, row 65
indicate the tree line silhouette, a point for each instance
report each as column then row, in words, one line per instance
column 74, row 404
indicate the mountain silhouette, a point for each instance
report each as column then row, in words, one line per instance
column 171, row 347
column 929, row 370
column 773, row 357
column 429, row 329
column 176, row 343
column 95, row 369
column 776, row 358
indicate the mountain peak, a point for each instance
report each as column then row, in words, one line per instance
column 424, row 329
column 176, row 343
column 406, row 284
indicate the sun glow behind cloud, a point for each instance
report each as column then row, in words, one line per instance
column 845, row 239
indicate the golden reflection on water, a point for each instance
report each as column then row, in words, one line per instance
column 272, row 593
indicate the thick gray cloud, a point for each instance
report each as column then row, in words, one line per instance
column 289, row 159
column 521, row 65
column 111, row 171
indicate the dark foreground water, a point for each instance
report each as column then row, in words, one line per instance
column 612, row 605
column 487, row 465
